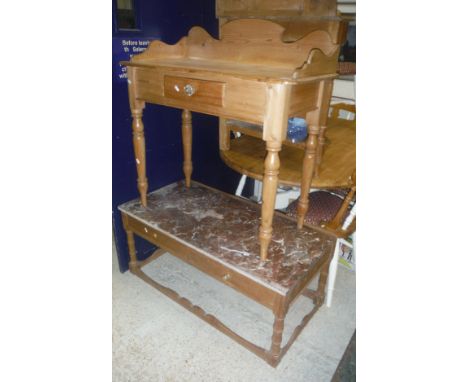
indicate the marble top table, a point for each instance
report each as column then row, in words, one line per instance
column 217, row 233
column 224, row 229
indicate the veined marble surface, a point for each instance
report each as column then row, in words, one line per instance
column 226, row 229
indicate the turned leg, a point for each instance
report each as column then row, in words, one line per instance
column 277, row 337
column 131, row 249
column 270, row 184
column 320, row 144
column 136, row 107
column 187, row 145
column 326, row 90
column 131, row 244
column 140, row 153
column 308, row 166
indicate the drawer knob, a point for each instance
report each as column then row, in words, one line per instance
column 189, row 90
column 226, row 277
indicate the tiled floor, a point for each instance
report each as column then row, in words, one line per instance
column 154, row 339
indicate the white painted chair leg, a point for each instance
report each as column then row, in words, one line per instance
column 332, row 270
column 241, row 185
column 332, row 274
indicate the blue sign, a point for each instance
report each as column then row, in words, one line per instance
column 125, row 48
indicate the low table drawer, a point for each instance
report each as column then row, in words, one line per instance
column 215, row 269
column 194, row 90
column 144, row 230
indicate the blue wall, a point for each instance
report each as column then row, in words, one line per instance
column 167, row 20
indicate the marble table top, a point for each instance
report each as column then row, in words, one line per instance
column 225, row 228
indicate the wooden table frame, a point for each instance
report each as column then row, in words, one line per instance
column 251, row 75
column 278, row 303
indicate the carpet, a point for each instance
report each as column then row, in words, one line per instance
column 154, row 339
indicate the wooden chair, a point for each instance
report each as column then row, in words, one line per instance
column 334, row 210
column 337, row 163
column 336, row 117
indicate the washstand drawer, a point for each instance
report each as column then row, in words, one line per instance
column 194, row 90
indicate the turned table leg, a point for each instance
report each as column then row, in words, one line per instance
column 308, row 166
column 277, row 337
column 325, row 93
column 131, row 249
column 136, row 107
column 133, row 264
column 187, row 145
column 275, row 126
column 270, row 184
column 140, row 152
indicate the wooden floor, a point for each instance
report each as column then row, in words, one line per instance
column 246, row 155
